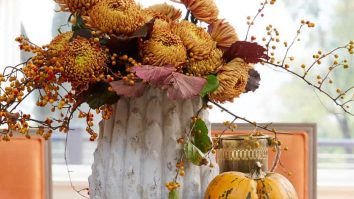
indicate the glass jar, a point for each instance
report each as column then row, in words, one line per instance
column 242, row 152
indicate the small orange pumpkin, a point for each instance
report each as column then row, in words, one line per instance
column 237, row 185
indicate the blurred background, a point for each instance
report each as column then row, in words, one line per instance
column 280, row 98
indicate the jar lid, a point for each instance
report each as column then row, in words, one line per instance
column 243, row 137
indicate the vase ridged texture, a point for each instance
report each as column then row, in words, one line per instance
column 137, row 150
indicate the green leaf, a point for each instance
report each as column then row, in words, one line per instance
column 211, row 85
column 97, row 95
column 79, row 23
column 103, row 41
column 201, row 137
column 193, row 154
column 173, row 194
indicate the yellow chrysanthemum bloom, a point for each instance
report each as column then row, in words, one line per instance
column 166, row 10
column 83, row 61
column 223, row 33
column 233, row 78
column 116, row 17
column 160, row 24
column 206, row 66
column 59, row 42
column 197, row 41
column 80, row 6
column 204, row 10
column 164, row 48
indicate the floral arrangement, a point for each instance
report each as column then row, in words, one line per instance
column 117, row 49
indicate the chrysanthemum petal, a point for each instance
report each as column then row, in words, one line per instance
column 197, row 41
column 58, row 44
column 233, row 78
column 83, row 61
column 164, row 48
column 204, row 10
column 166, row 10
column 79, row 6
column 120, row 17
column 223, row 33
column 206, row 66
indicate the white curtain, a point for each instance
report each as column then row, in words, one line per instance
column 10, row 28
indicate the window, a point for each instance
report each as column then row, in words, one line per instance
column 280, row 98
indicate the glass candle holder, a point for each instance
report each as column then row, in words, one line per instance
column 242, row 152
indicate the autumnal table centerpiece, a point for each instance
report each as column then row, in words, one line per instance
column 150, row 73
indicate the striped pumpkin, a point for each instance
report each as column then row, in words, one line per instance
column 237, row 185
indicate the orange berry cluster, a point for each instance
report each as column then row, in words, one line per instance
column 180, row 140
column 46, row 135
column 106, row 111
column 42, row 73
column 180, row 167
column 129, row 62
column 172, row 185
column 230, row 125
column 308, row 23
column 129, row 79
column 12, row 93
column 89, row 120
column 27, row 46
column 351, row 47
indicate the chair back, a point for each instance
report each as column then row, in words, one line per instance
column 25, row 168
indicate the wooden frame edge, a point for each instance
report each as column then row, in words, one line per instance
column 48, row 169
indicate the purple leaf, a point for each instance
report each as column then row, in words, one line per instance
column 12, row 117
column 129, row 44
column 153, row 74
column 253, row 80
column 121, row 88
column 85, row 33
column 248, row 51
column 180, row 86
column 145, row 30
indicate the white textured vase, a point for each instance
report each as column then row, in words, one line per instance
column 137, row 150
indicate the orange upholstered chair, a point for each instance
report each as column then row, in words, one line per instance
column 299, row 159
column 25, row 169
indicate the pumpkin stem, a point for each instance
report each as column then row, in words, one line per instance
column 256, row 171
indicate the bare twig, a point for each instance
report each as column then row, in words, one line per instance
column 254, row 19
column 334, row 99
column 67, row 168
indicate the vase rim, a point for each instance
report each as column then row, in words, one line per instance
column 243, row 137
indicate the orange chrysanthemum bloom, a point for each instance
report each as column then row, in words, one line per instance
column 116, row 17
column 204, row 10
column 223, row 33
column 166, row 10
column 233, row 78
column 206, row 66
column 83, row 61
column 197, row 41
column 80, row 6
column 59, row 42
column 164, row 48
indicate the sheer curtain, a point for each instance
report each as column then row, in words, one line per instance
column 10, row 27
